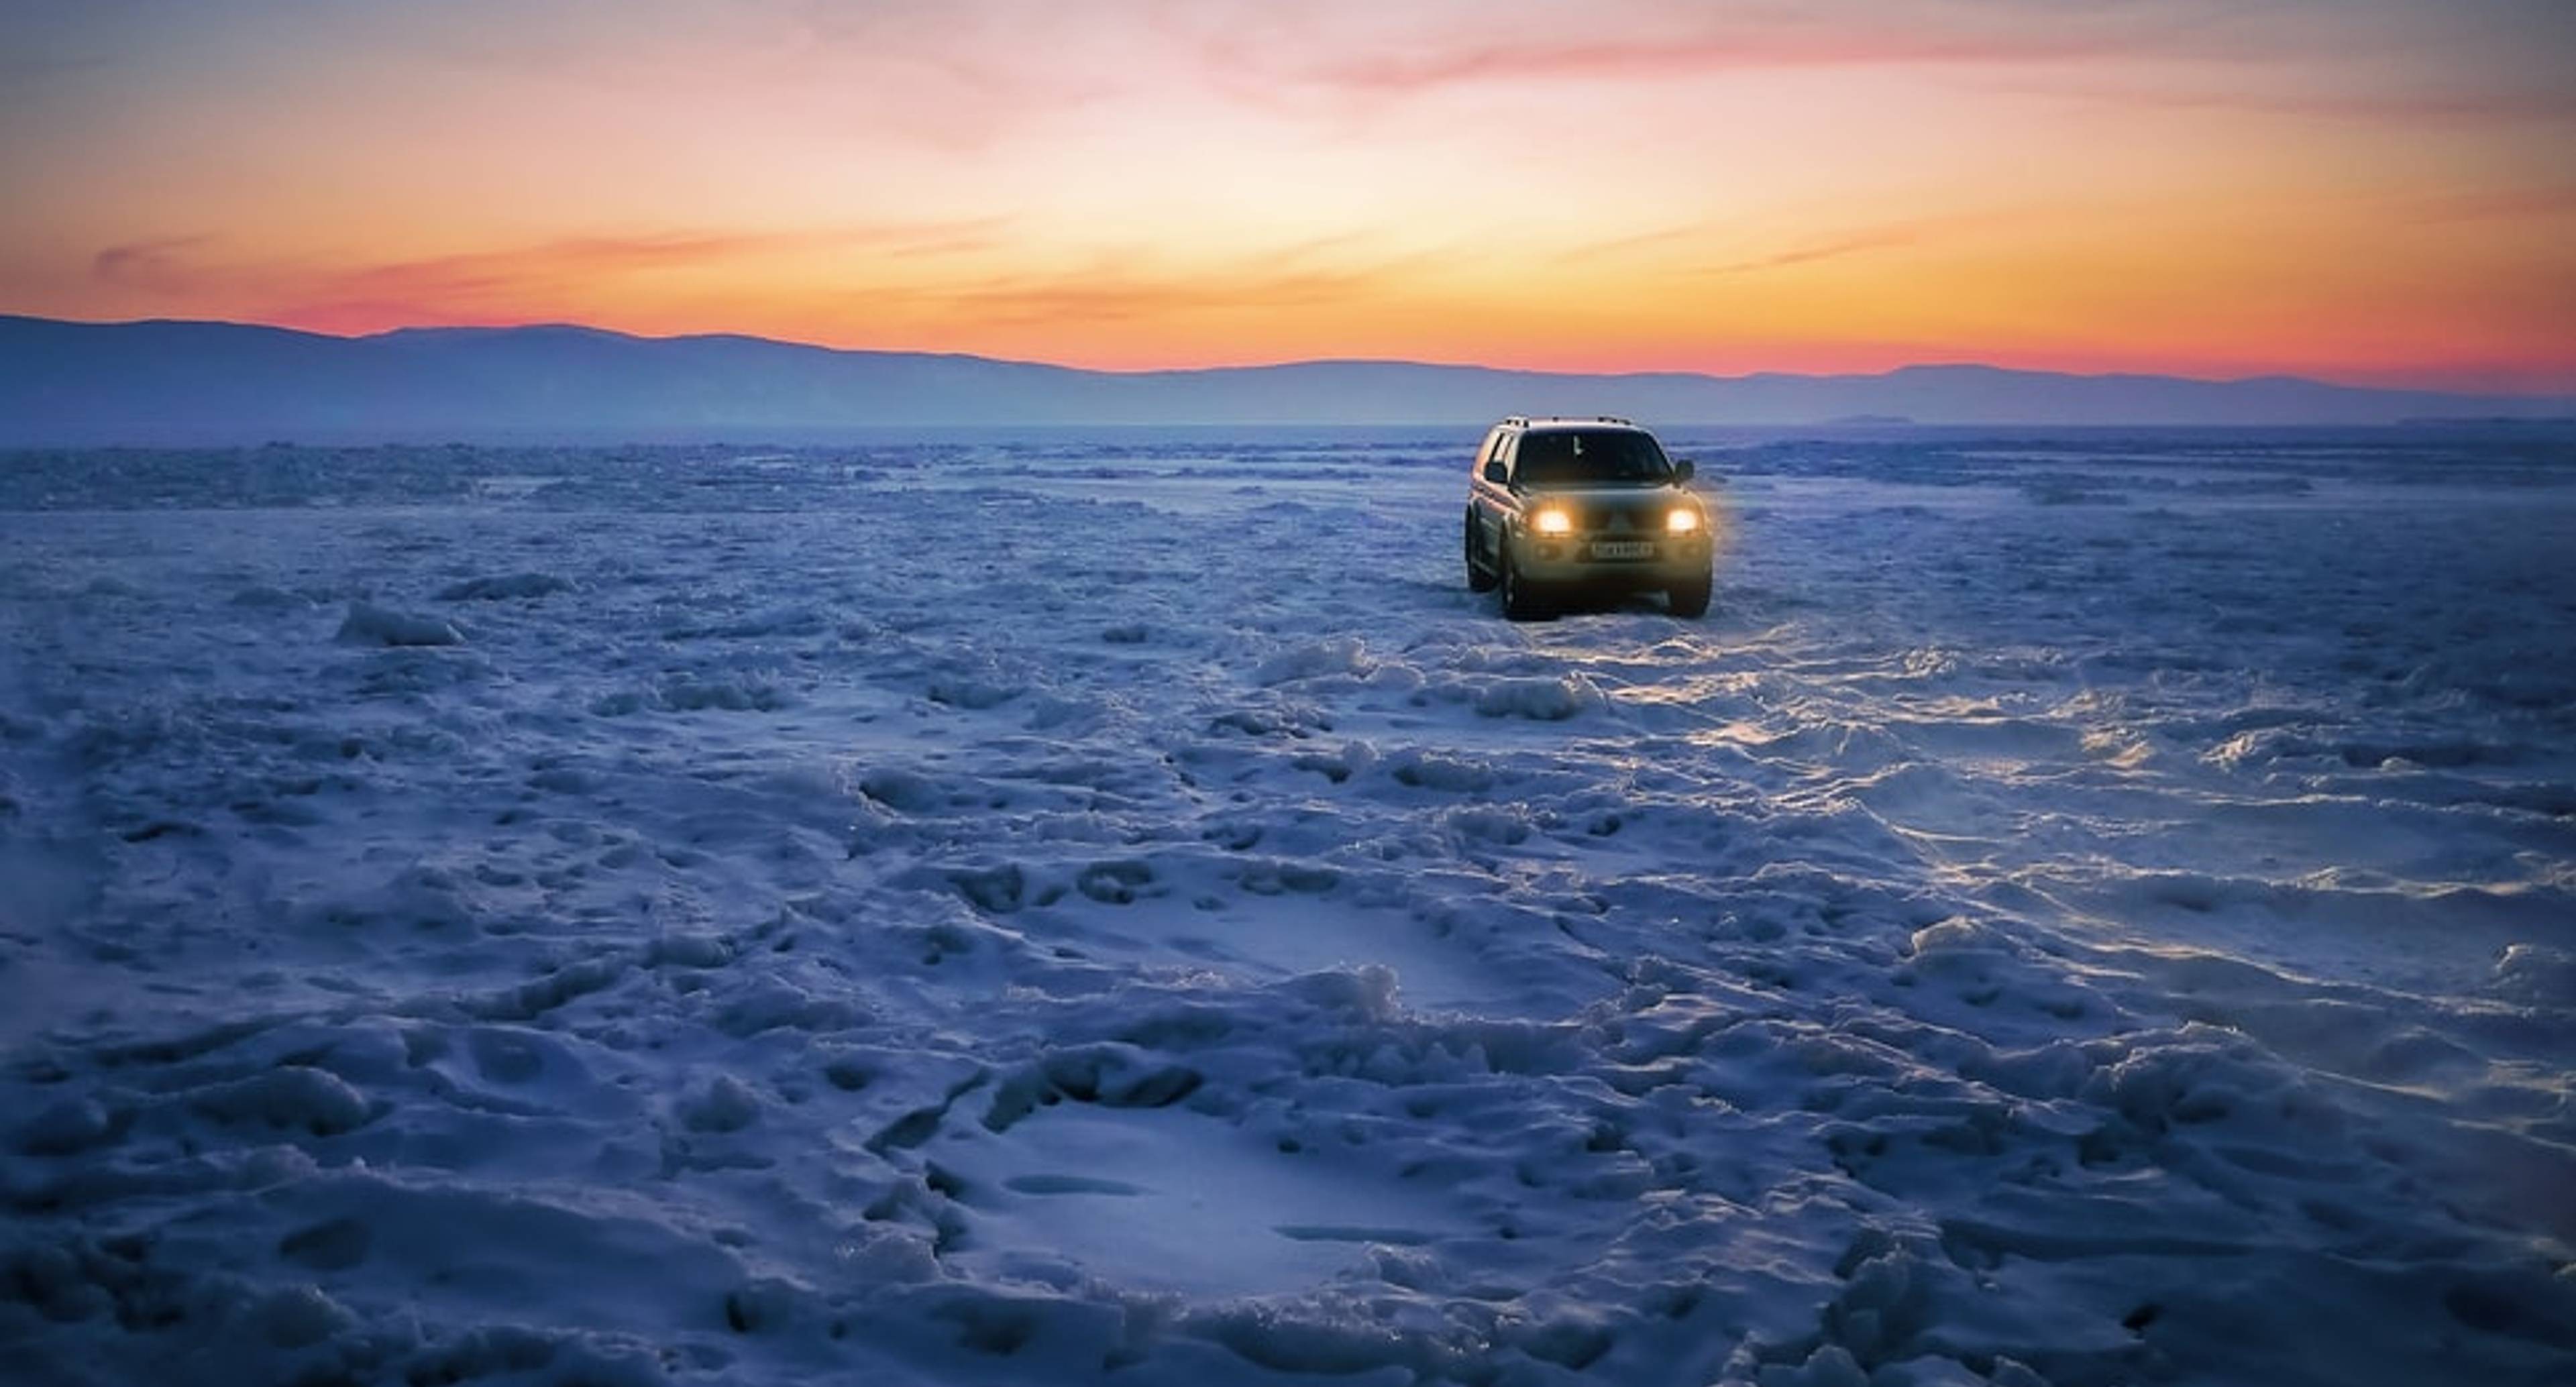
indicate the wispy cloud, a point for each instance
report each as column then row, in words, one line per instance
column 1130, row 287
column 21, row 70
column 1841, row 247
column 1518, row 44
column 574, row 259
column 167, row 265
column 1691, row 249
column 1650, row 58
column 925, row 273
column 2496, row 99
column 492, row 284
column 959, row 76
column 2379, row 61
column 2510, row 204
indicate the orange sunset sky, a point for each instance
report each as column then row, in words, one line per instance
column 2374, row 191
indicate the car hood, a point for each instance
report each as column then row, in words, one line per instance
column 1610, row 495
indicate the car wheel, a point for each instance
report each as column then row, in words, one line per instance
column 1478, row 580
column 1521, row 599
column 1689, row 598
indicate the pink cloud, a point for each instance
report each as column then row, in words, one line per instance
column 1614, row 43
column 2359, row 61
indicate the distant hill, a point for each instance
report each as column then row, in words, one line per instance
column 199, row 383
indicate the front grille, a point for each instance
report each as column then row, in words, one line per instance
column 1618, row 521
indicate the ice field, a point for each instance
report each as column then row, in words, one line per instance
column 1116, row 909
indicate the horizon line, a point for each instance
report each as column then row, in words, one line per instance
column 1962, row 364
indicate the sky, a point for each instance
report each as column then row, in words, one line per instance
column 2372, row 191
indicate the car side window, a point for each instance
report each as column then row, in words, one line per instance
column 1508, row 455
column 1485, row 454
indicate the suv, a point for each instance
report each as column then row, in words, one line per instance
column 1557, row 503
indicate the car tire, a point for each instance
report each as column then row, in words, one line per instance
column 1478, row 579
column 1689, row 598
column 1521, row 598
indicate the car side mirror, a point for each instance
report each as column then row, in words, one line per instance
column 1494, row 473
column 1682, row 471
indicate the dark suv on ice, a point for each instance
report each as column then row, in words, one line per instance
column 1557, row 504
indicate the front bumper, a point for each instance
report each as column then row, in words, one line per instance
column 1581, row 559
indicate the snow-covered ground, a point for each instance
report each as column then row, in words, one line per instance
column 1115, row 909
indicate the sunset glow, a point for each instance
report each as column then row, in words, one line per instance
column 2377, row 191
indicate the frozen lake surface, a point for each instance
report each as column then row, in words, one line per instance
column 1114, row 908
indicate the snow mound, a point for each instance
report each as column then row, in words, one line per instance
column 1541, row 699
column 368, row 624
column 1341, row 655
column 2537, row 975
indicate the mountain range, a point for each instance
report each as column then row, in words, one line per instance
column 195, row 383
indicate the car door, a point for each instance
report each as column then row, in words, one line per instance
column 1494, row 501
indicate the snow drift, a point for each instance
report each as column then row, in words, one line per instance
column 1099, row 911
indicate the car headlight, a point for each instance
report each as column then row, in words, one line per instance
column 1681, row 522
column 1553, row 522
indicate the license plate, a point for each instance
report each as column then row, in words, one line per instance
column 1624, row 549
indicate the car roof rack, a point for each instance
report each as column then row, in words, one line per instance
column 1522, row 421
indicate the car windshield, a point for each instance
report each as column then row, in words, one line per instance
column 1578, row 457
